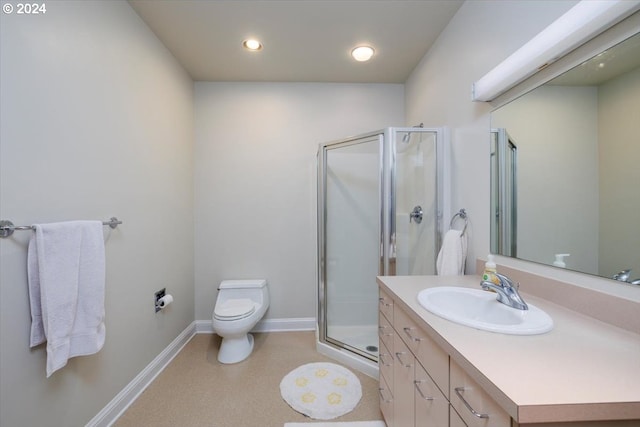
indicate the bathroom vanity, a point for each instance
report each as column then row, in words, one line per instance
column 434, row 372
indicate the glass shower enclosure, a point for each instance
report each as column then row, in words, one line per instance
column 380, row 210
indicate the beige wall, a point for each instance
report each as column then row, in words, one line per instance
column 97, row 121
column 255, row 180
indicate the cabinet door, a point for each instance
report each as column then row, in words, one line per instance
column 474, row 405
column 428, row 353
column 403, row 388
column 432, row 408
column 454, row 418
column 386, row 402
column 385, row 331
column 385, row 363
column 385, row 304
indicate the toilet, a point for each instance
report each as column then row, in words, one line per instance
column 239, row 307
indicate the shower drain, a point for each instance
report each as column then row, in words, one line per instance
column 372, row 348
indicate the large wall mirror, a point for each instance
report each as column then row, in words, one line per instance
column 565, row 165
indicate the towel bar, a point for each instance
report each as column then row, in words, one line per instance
column 7, row 228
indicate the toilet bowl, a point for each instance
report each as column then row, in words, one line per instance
column 239, row 307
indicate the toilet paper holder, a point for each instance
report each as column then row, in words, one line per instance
column 162, row 299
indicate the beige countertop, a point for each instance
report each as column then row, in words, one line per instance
column 582, row 370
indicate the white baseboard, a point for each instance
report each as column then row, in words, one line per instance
column 267, row 325
column 110, row 413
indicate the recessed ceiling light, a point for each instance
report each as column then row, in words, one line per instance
column 252, row 44
column 362, row 53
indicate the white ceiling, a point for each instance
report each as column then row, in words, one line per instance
column 304, row 40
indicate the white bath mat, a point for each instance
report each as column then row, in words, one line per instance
column 339, row 424
column 321, row 390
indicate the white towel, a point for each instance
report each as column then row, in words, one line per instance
column 453, row 254
column 66, row 271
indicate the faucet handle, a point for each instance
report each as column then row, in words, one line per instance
column 505, row 282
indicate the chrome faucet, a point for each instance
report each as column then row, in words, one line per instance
column 622, row 276
column 625, row 276
column 507, row 292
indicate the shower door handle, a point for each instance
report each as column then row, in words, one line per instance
column 416, row 214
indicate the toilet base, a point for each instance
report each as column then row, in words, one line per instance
column 235, row 349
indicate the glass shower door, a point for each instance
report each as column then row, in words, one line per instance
column 351, row 250
column 416, row 210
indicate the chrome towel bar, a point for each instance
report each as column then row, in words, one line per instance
column 7, row 228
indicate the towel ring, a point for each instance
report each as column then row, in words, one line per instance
column 462, row 213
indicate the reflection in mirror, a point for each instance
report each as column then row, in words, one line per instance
column 578, row 168
column 504, row 193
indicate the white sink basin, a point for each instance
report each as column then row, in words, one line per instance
column 479, row 309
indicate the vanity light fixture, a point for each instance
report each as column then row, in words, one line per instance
column 252, row 45
column 362, row 53
column 581, row 23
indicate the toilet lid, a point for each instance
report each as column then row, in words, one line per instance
column 233, row 309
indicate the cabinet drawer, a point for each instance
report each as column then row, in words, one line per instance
column 385, row 331
column 403, row 390
column 454, row 418
column 432, row 408
column 429, row 354
column 385, row 361
column 473, row 404
column 386, row 402
column 385, row 304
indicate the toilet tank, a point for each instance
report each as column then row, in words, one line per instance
column 243, row 284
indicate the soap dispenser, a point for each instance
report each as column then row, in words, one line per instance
column 559, row 262
column 490, row 270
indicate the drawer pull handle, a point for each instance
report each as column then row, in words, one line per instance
column 411, row 337
column 475, row 413
column 382, row 328
column 400, row 359
column 382, row 301
column 417, row 385
column 380, row 390
column 382, row 356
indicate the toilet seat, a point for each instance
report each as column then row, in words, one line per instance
column 234, row 309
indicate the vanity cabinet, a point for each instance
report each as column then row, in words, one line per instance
column 558, row 379
column 419, row 386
